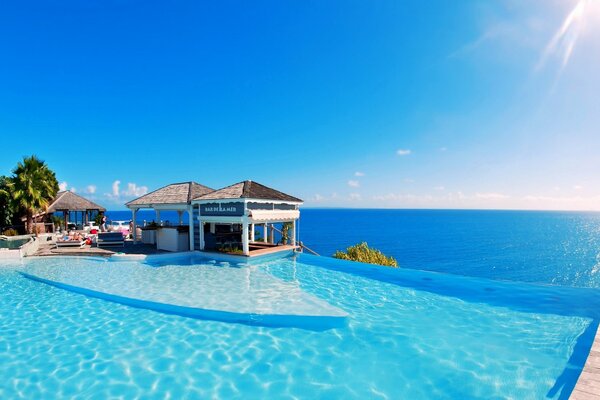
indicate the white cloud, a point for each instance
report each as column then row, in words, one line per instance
column 403, row 152
column 442, row 200
column 65, row 186
column 358, row 173
column 577, row 187
column 408, row 180
column 355, row 196
column 491, row 196
column 352, row 183
column 115, row 188
column 487, row 200
column 536, row 202
column 443, row 148
column 319, row 198
column 135, row 190
column 91, row 189
column 447, row 199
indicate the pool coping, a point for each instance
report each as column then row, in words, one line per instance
column 26, row 249
column 174, row 255
column 588, row 383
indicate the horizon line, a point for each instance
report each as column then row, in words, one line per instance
column 421, row 209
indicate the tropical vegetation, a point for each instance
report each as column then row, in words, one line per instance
column 28, row 191
column 10, row 232
column 363, row 253
column 286, row 229
column 99, row 216
column 58, row 221
column 6, row 206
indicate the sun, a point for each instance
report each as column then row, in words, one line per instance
column 585, row 15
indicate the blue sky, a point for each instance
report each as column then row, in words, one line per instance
column 355, row 104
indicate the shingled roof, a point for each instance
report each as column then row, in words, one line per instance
column 176, row 193
column 67, row 200
column 250, row 190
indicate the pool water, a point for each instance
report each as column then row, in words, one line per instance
column 410, row 334
column 12, row 244
column 205, row 288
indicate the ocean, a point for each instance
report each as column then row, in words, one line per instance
column 558, row 248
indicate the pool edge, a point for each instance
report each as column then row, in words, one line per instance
column 309, row 322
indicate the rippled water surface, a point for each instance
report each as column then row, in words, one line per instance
column 410, row 334
column 203, row 288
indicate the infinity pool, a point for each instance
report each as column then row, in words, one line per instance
column 408, row 334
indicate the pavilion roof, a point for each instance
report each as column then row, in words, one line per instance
column 176, row 193
column 248, row 189
column 67, row 200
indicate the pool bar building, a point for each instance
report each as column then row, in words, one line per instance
column 238, row 219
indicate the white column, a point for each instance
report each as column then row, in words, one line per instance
column 134, row 233
column 191, row 227
column 212, row 228
column 265, row 234
column 252, row 232
column 272, row 235
column 158, row 216
column 293, row 236
column 201, row 233
column 245, row 247
column 180, row 214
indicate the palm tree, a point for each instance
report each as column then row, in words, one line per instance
column 33, row 186
column 6, row 207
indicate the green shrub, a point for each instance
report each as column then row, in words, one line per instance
column 10, row 232
column 363, row 253
column 57, row 221
column 230, row 249
column 98, row 219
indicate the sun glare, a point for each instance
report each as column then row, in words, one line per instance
column 584, row 15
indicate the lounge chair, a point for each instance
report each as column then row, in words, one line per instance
column 70, row 243
column 110, row 239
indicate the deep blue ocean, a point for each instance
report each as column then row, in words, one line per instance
column 559, row 248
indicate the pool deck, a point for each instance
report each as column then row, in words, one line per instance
column 588, row 384
column 272, row 250
column 50, row 249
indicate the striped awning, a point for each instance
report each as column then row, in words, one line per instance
column 273, row 215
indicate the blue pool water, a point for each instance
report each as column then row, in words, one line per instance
column 410, row 334
column 208, row 289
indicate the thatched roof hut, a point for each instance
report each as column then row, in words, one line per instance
column 249, row 190
column 69, row 201
column 176, row 193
